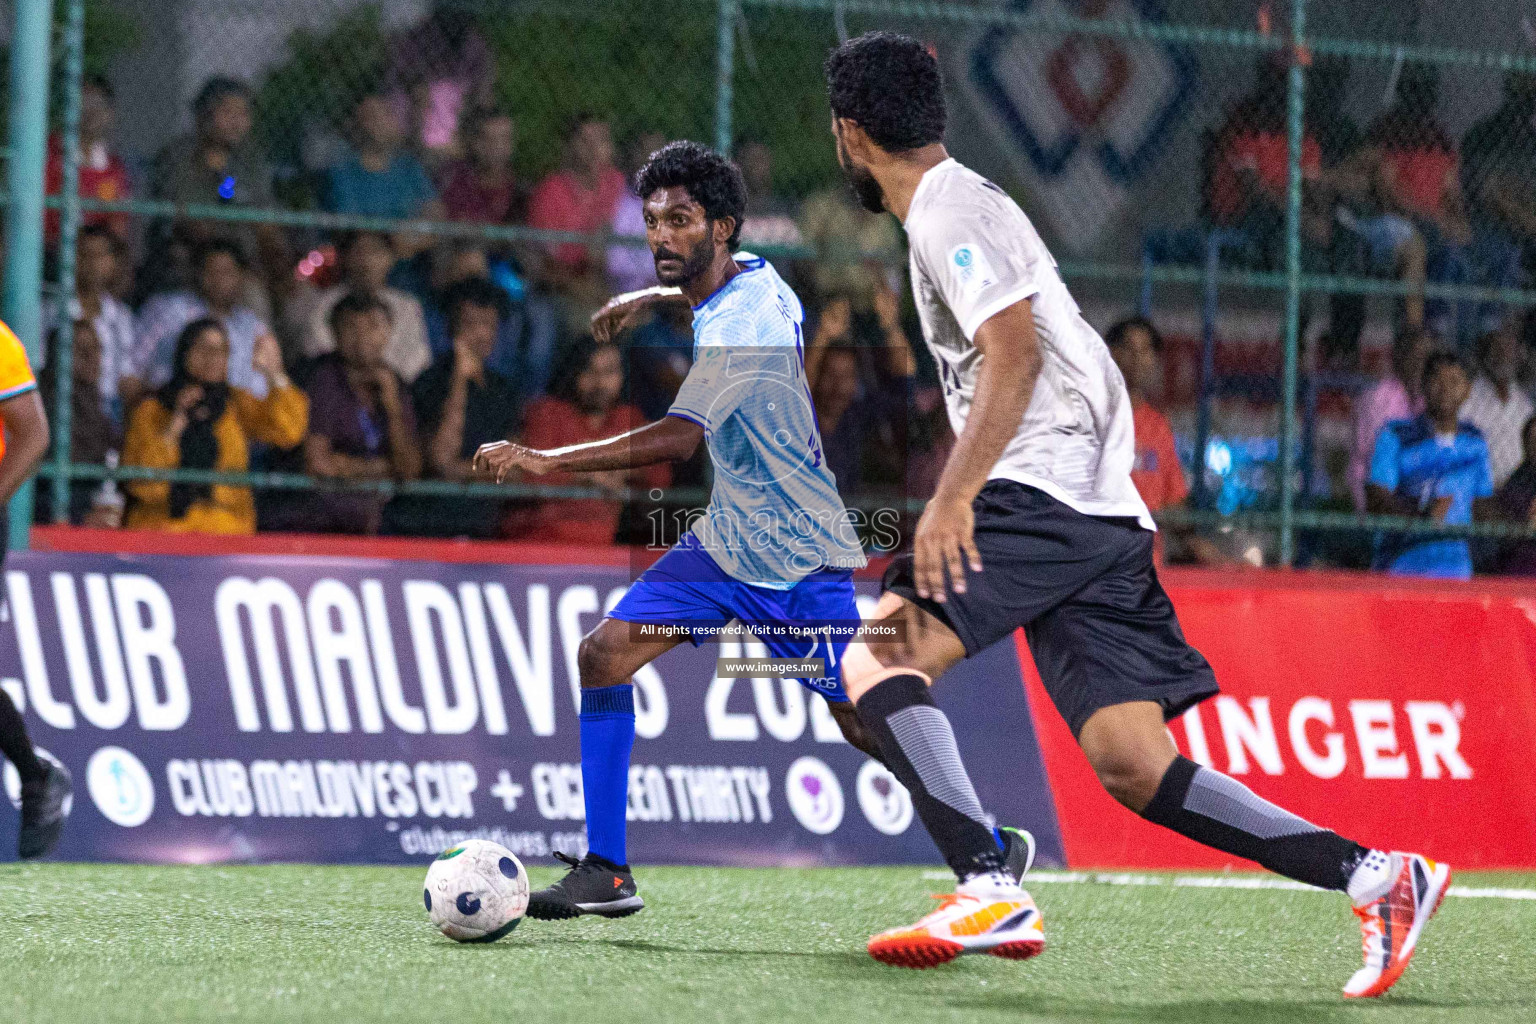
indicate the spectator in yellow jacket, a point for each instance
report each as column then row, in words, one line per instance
column 199, row 421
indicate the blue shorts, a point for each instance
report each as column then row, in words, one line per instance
column 686, row 589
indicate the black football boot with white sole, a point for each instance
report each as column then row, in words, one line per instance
column 44, row 808
column 594, row 885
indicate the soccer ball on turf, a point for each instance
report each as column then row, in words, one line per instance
column 476, row 891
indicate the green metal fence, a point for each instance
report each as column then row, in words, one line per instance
column 725, row 69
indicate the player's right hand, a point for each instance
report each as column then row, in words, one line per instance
column 498, row 458
column 618, row 315
column 945, row 541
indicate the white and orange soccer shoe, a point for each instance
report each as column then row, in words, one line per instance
column 1391, row 924
column 984, row 915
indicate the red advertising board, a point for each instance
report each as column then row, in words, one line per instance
column 1400, row 713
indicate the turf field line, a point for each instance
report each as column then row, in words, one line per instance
column 1224, row 882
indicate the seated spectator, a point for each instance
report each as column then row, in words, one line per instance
column 770, row 217
column 862, row 413
column 437, row 71
column 366, row 259
column 463, row 403
column 482, row 187
column 219, row 163
column 93, row 433
column 583, row 405
column 96, row 270
column 581, row 197
column 362, row 424
column 631, row 267
column 1415, row 176
column 1249, row 175
column 379, row 178
column 1497, row 405
column 525, row 332
column 1517, row 504
column 199, row 420
column 1397, row 396
column 103, row 174
column 216, row 293
column 1498, row 174
column 1433, row 467
column 1137, row 348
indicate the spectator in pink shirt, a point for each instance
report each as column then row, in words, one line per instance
column 582, row 198
column 1397, row 396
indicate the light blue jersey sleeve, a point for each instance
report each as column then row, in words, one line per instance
column 1384, row 461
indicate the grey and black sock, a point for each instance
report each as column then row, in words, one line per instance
column 919, row 747
column 1219, row 811
column 15, row 744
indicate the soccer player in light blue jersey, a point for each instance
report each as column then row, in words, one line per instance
column 775, row 549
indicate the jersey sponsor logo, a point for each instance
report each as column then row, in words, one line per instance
column 972, row 269
column 814, row 795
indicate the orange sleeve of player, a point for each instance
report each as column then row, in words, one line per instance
column 15, row 371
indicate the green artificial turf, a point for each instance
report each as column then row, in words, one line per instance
column 288, row 943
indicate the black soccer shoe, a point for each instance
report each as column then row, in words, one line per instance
column 1018, row 851
column 592, row 886
column 43, row 811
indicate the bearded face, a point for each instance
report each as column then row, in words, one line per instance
column 860, row 180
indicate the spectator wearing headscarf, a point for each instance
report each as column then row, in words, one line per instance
column 198, row 420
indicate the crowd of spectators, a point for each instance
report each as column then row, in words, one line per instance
column 1400, row 199
column 372, row 356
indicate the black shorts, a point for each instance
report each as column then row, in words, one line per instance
column 1085, row 589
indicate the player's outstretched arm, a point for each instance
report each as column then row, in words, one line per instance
column 623, row 311
column 1010, row 366
column 669, row 439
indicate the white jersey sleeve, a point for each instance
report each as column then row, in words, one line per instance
column 978, row 268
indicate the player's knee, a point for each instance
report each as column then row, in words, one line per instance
column 1130, row 777
column 597, row 661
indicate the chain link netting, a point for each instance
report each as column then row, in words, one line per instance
column 1147, row 139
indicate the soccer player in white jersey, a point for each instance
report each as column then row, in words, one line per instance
column 1035, row 523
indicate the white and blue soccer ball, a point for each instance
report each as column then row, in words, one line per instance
column 476, row 891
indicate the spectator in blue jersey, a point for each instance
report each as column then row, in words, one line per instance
column 1433, row 467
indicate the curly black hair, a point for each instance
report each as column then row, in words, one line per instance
column 712, row 181
column 888, row 84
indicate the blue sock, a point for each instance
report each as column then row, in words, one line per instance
column 607, row 736
column 997, row 834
